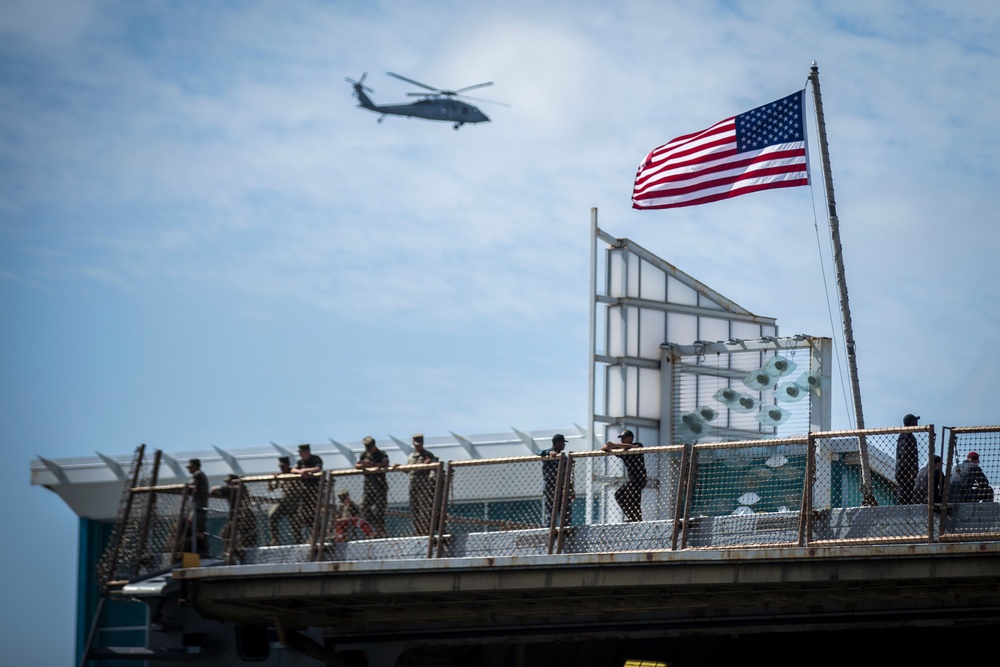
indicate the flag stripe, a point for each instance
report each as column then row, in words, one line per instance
column 790, row 156
column 760, row 149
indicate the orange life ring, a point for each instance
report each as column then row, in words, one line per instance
column 344, row 524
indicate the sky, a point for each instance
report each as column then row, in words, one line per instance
column 203, row 241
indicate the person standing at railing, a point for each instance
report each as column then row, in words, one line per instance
column 376, row 488
column 629, row 495
column 906, row 463
column 421, row 486
column 308, row 467
column 199, row 503
column 550, row 473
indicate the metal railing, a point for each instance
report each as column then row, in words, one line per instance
column 776, row 493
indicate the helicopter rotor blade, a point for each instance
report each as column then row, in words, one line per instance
column 478, row 85
column 480, row 99
column 463, row 97
column 415, row 83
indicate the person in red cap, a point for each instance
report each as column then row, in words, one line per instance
column 973, row 485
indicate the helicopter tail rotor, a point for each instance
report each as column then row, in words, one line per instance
column 360, row 83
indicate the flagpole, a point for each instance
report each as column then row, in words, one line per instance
column 868, row 498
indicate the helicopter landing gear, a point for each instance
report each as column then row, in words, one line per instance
column 456, row 126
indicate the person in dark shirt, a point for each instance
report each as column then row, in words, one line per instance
column 309, row 466
column 199, row 497
column 973, row 485
column 550, row 472
column 376, row 489
column 920, row 483
column 906, row 463
column 629, row 495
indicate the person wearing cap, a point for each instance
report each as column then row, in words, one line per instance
column 376, row 488
column 347, row 507
column 348, row 524
column 550, row 474
column 972, row 484
column 629, row 494
column 906, row 463
column 199, row 497
column 920, row 483
column 227, row 490
column 308, row 467
column 421, row 486
column 286, row 505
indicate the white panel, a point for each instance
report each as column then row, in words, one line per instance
column 678, row 292
column 633, row 274
column 614, row 407
column 649, row 393
column 631, row 391
column 705, row 302
column 616, row 332
column 710, row 328
column 654, row 283
column 681, row 329
column 652, row 333
column 744, row 361
column 768, row 331
column 746, row 330
column 632, row 331
column 616, row 273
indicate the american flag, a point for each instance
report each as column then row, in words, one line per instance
column 761, row 149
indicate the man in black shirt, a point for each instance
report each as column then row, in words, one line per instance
column 629, row 496
column 199, row 496
column 550, row 472
column 906, row 463
column 309, row 466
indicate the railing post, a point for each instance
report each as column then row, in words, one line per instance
column 805, row 513
column 318, row 536
column 689, row 496
column 234, row 523
column 443, row 518
column 555, row 512
column 436, row 509
column 566, row 515
column 680, row 495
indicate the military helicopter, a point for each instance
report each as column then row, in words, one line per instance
column 438, row 104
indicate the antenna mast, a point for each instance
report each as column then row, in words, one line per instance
column 868, row 498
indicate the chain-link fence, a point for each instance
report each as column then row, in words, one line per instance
column 275, row 518
column 121, row 558
column 886, row 500
column 630, row 496
column 867, row 487
column 971, row 478
column 747, row 493
column 502, row 506
column 381, row 514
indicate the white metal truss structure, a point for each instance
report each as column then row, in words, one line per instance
column 676, row 362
